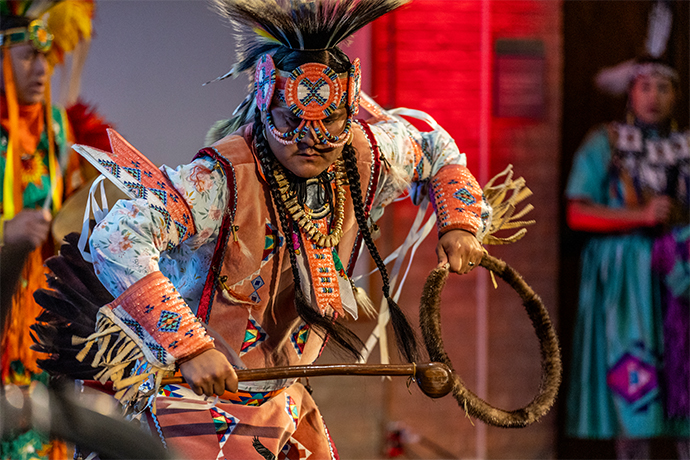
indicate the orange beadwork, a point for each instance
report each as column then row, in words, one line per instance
column 153, row 309
column 313, row 91
column 324, row 275
column 125, row 156
column 457, row 199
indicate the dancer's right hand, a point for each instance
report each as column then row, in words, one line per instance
column 209, row 373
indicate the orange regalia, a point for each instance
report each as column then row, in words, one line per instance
column 260, row 257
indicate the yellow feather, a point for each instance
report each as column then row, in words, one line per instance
column 70, row 22
column 262, row 33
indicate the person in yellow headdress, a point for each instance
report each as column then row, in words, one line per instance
column 38, row 170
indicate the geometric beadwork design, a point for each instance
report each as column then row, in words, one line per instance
column 170, row 391
column 465, row 196
column 136, row 327
column 253, row 336
column 292, row 410
column 138, row 190
column 110, row 166
column 631, row 378
column 457, row 199
column 257, row 283
column 255, row 398
column 299, row 338
column 294, row 450
column 135, row 172
column 224, row 424
column 162, row 194
column 169, row 321
column 264, row 82
column 130, row 169
column 157, row 350
column 166, row 215
column 354, row 86
column 169, row 331
column 313, row 91
column 272, row 243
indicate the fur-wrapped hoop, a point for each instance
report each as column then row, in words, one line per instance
column 430, row 322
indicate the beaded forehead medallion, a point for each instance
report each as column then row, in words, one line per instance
column 312, row 92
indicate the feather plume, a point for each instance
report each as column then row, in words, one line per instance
column 262, row 26
column 615, row 80
column 70, row 23
column 659, row 29
column 37, row 8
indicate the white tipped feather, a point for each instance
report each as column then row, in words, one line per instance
column 262, row 26
column 659, row 29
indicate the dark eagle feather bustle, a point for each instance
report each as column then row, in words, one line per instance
column 71, row 305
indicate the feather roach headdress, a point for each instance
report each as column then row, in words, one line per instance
column 263, row 26
column 266, row 28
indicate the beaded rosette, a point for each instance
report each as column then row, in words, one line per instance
column 312, row 92
column 36, row 33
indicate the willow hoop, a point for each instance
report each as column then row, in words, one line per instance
column 551, row 367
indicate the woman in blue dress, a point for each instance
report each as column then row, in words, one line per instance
column 628, row 188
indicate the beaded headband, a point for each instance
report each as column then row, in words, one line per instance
column 312, row 92
column 650, row 68
column 35, row 33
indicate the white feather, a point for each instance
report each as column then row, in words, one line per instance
column 659, row 29
column 614, row 80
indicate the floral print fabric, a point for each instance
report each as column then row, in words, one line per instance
column 131, row 241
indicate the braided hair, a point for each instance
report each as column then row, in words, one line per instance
column 287, row 59
column 404, row 334
column 324, row 326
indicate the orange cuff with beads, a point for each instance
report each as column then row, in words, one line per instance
column 156, row 317
column 457, row 199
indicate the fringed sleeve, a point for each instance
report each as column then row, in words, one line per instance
column 149, row 321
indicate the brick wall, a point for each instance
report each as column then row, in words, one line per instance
column 428, row 56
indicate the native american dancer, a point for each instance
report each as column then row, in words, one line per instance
column 243, row 258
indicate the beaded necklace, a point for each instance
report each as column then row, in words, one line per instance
column 303, row 219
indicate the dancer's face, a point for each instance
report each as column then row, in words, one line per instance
column 653, row 98
column 307, row 158
column 30, row 73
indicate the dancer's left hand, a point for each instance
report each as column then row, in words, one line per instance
column 460, row 249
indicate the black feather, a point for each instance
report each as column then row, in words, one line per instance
column 70, row 309
column 262, row 450
column 297, row 24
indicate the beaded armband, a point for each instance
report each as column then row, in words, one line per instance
column 149, row 321
column 457, row 199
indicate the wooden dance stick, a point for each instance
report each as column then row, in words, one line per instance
column 434, row 379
